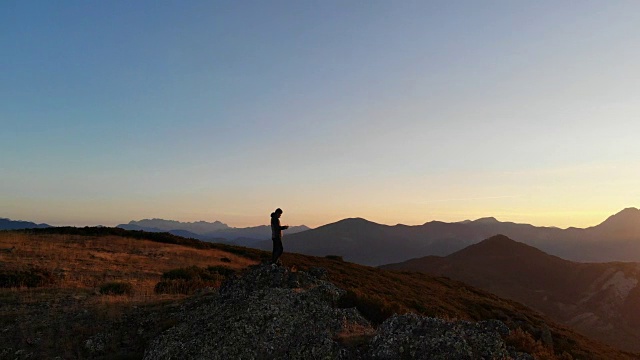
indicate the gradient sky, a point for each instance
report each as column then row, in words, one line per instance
column 395, row 111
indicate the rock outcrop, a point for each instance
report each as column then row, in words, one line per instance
column 278, row 313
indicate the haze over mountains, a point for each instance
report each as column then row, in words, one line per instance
column 8, row 224
column 208, row 231
column 365, row 242
column 615, row 239
column 602, row 300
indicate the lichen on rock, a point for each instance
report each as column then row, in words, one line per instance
column 275, row 313
column 411, row 336
column 269, row 313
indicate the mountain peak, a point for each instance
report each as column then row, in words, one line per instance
column 500, row 242
column 355, row 220
column 497, row 246
column 627, row 220
column 486, row 220
column 628, row 212
column 499, row 239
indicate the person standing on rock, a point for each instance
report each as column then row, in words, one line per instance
column 276, row 235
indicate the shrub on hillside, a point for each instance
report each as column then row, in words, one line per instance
column 221, row 270
column 523, row 341
column 253, row 254
column 181, row 286
column 373, row 308
column 116, row 288
column 189, row 273
column 335, row 257
column 188, row 280
column 34, row 277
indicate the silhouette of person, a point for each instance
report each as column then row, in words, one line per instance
column 276, row 235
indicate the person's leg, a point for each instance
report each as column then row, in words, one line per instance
column 277, row 250
column 273, row 253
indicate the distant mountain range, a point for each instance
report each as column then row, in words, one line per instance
column 369, row 243
column 7, row 224
column 602, row 300
column 209, row 231
column 365, row 242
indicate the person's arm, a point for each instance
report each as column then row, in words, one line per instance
column 283, row 227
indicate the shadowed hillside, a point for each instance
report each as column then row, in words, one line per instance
column 82, row 321
column 599, row 299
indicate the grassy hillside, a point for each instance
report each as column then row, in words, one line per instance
column 68, row 315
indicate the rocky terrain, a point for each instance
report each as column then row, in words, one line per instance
column 279, row 313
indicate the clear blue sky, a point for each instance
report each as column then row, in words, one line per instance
column 395, row 111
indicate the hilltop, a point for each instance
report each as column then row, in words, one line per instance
column 72, row 315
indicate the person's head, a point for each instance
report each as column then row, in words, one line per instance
column 278, row 212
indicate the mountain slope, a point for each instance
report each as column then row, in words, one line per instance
column 599, row 299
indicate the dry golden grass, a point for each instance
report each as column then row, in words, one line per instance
column 89, row 261
column 59, row 318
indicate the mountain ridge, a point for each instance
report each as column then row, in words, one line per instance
column 356, row 239
column 8, row 224
column 365, row 242
column 207, row 231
